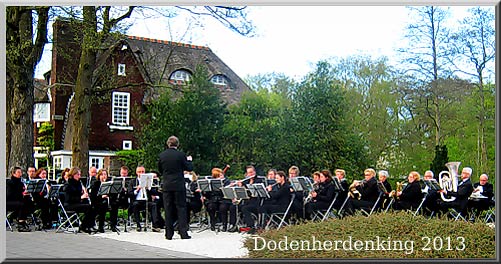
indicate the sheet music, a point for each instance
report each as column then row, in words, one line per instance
column 146, row 180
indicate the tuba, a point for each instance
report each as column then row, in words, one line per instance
column 448, row 180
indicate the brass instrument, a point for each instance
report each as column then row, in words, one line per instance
column 449, row 183
column 352, row 190
column 316, row 186
column 398, row 189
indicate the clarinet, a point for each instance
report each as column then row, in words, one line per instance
column 86, row 193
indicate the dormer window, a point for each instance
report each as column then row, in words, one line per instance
column 180, row 76
column 121, row 69
column 219, row 79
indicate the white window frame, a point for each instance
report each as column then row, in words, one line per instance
column 115, row 106
column 181, row 75
column 125, row 143
column 219, row 79
column 97, row 162
column 121, row 69
column 41, row 112
column 58, row 162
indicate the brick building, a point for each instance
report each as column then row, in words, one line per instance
column 132, row 71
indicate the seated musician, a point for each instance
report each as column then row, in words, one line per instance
column 464, row 190
column 194, row 204
column 481, row 198
column 297, row 205
column 323, row 196
column 383, row 176
column 64, row 176
column 410, row 197
column 278, row 202
column 76, row 198
column 16, row 191
column 42, row 200
column 343, row 194
column 249, row 206
column 138, row 202
column 271, row 175
column 368, row 190
column 216, row 204
column 432, row 197
column 104, row 203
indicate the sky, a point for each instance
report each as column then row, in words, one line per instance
column 289, row 39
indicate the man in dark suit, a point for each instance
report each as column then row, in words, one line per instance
column 464, row 190
column 483, row 191
column 171, row 164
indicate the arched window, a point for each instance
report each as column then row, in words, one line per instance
column 219, row 79
column 180, row 76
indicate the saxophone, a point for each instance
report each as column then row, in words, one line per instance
column 352, row 190
column 399, row 189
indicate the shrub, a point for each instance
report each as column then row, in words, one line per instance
column 409, row 237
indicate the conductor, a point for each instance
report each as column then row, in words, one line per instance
column 171, row 164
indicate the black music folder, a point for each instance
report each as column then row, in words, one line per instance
column 36, row 185
column 204, row 185
column 433, row 184
column 104, row 188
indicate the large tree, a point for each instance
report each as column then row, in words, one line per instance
column 98, row 23
column 475, row 51
column 25, row 43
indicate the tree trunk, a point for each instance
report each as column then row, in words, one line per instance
column 23, row 53
column 83, row 88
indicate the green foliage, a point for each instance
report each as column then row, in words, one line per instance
column 195, row 116
column 46, row 136
column 441, row 158
column 132, row 158
column 446, row 238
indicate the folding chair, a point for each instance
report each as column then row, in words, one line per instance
column 281, row 217
column 489, row 216
column 323, row 214
column 9, row 214
column 374, row 207
column 69, row 221
column 423, row 200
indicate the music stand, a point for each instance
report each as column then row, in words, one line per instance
column 146, row 181
column 216, row 185
column 36, row 185
column 296, row 185
column 433, row 185
column 203, row 185
column 337, row 184
column 54, row 191
column 381, row 187
column 252, row 190
column 105, row 188
column 261, row 190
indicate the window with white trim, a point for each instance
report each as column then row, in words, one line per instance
column 120, row 108
column 96, row 162
column 121, row 69
column 41, row 113
column 181, row 75
column 219, row 79
column 127, row 144
column 58, row 161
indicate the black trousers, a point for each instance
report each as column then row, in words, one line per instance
column 153, row 210
column 315, row 206
column 89, row 213
column 354, row 204
column 101, row 210
column 175, row 201
column 218, row 207
column 44, row 205
column 19, row 209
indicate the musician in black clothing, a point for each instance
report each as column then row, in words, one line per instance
column 194, row 202
column 343, row 194
column 104, row 203
column 138, row 202
column 368, row 190
column 432, row 196
column 252, row 204
column 411, row 195
column 322, row 198
column 171, row 164
column 484, row 192
column 41, row 199
column 297, row 206
column 16, row 191
column 464, row 190
column 278, row 202
column 76, row 198
column 215, row 203
column 383, row 176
